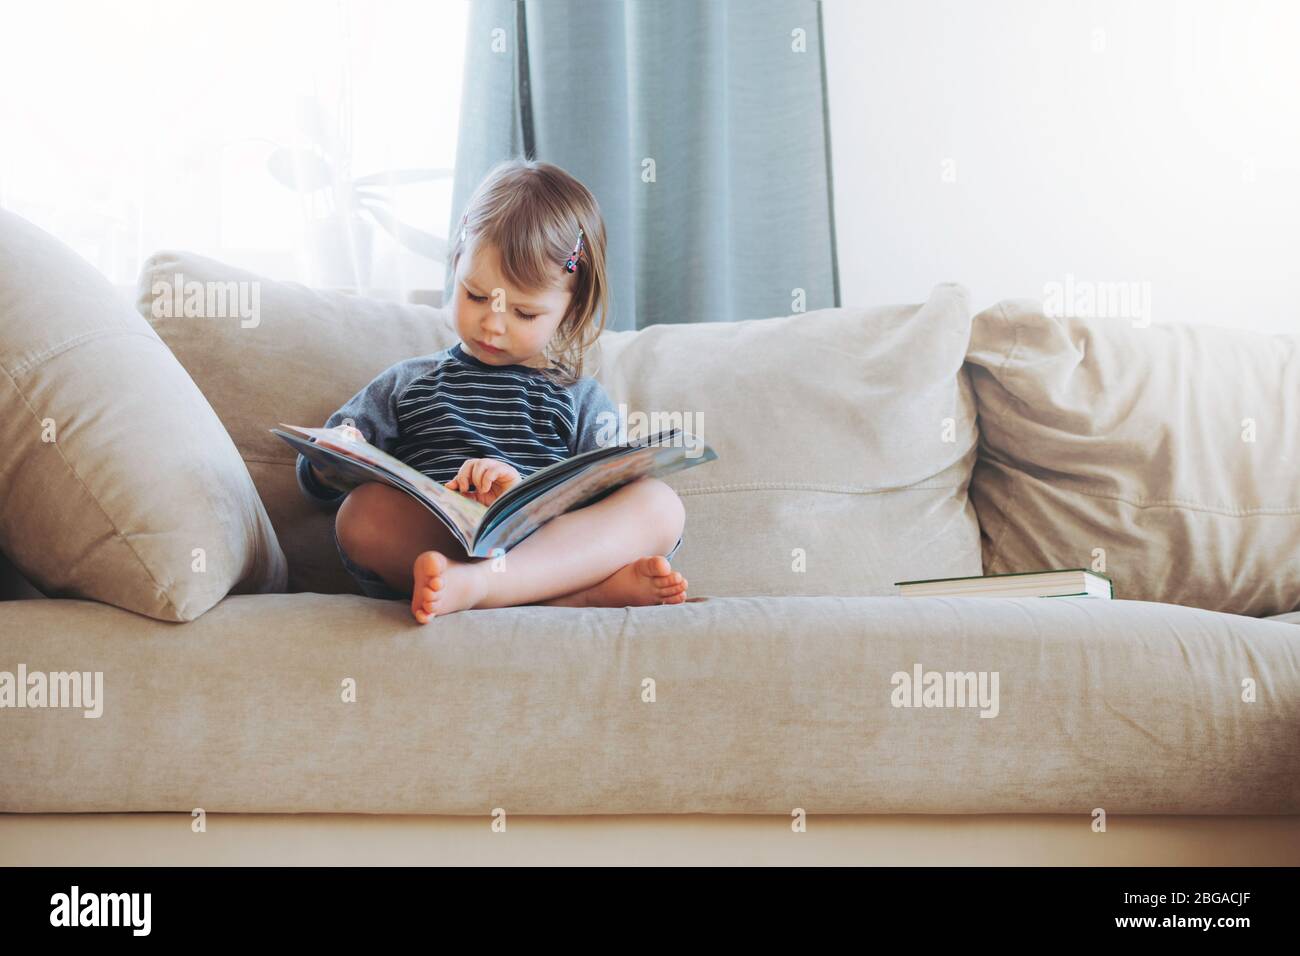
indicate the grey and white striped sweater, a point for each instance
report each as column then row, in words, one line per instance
column 434, row 411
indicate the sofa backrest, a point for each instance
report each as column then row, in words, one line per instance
column 295, row 361
column 1167, row 455
column 845, row 437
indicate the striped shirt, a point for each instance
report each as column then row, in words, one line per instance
column 435, row 411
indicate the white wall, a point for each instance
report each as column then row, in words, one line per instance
column 1143, row 141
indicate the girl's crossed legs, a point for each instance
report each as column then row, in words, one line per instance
column 608, row 554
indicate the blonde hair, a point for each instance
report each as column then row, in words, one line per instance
column 530, row 212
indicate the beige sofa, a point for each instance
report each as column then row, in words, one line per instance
column 243, row 676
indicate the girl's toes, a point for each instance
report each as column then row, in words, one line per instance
column 656, row 566
column 421, row 605
column 429, row 568
column 427, row 580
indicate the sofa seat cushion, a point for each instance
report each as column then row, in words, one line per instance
column 724, row 705
column 117, row 481
column 1166, row 456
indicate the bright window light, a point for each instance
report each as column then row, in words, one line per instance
column 135, row 127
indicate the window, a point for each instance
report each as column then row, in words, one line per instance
column 289, row 138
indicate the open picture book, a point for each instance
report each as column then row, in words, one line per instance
column 545, row 494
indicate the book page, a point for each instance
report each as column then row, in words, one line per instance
column 539, row 482
column 584, row 486
column 465, row 511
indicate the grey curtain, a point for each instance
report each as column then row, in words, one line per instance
column 727, row 98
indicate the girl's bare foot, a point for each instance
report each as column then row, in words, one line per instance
column 648, row 580
column 440, row 586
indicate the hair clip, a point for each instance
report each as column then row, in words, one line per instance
column 571, row 263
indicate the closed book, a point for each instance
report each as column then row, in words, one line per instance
column 1069, row 582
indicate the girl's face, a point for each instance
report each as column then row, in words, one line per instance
column 518, row 333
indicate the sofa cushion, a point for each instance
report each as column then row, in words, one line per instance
column 119, row 483
column 760, row 705
column 303, row 355
column 845, row 440
column 846, row 436
column 1164, row 455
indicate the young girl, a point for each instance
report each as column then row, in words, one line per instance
column 507, row 400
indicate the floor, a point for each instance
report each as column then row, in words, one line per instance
column 361, row 839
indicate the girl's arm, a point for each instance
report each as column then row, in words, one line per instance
column 598, row 424
column 371, row 411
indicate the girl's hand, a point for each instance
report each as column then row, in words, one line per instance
column 489, row 479
column 347, row 431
